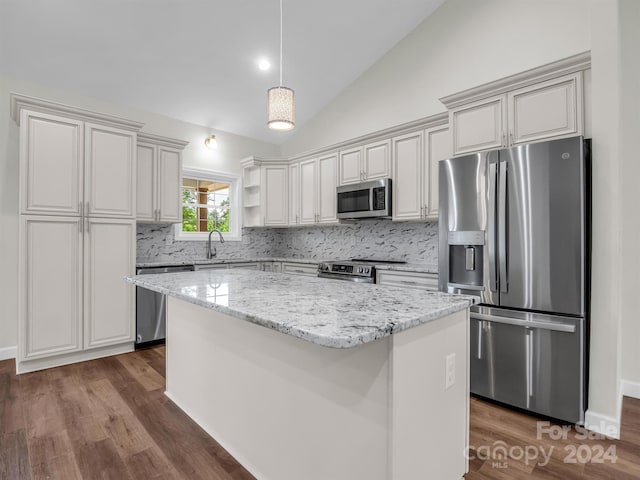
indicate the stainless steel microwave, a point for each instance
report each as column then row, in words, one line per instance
column 365, row 200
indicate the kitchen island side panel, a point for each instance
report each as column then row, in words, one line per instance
column 287, row 409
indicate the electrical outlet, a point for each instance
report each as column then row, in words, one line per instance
column 450, row 371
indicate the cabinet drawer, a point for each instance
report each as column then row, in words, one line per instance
column 423, row 281
column 211, row 266
column 246, row 266
column 310, row 270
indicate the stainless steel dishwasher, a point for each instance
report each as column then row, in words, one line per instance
column 151, row 309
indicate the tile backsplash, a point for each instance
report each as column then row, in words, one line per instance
column 380, row 239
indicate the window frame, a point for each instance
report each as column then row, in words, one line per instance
column 235, row 210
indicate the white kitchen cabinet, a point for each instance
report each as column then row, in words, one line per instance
column 211, row 266
column 294, row 194
column 110, row 171
column 317, row 196
column 51, row 279
column 77, row 230
column 419, row 280
column 274, row 195
column 545, row 110
column 274, row 267
column 73, row 297
column 109, row 302
column 308, row 191
column 159, row 179
column 70, row 167
column 308, row 269
column 365, row 163
column 408, row 158
column 415, row 172
column 246, row 266
column 51, row 164
column 265, row 193
column 479, row 126
column 437, row 142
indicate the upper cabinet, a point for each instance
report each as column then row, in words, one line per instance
column 543, row 103
column 159, row 179
column 265, row 193
column 71, row 167
column 415, row 172
column 365, row 163
column 316, row 196
column 542, row 111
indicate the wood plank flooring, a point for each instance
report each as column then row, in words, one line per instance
column 109, row 419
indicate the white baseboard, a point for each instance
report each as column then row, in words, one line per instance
column 27, row 366
column 603, row 424
column 7, row 353
column 630, row 389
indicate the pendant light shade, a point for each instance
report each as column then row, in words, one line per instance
column 280, row 102
column 280, row 108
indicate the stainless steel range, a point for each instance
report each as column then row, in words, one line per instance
column 360, row 270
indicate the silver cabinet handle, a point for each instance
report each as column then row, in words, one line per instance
column 504, row 139
column 511, row 137
column 529, row 353
column 408, row 282
column 81, row 225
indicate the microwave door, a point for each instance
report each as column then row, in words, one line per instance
column 354, row 201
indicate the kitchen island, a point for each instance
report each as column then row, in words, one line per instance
column 347, row 381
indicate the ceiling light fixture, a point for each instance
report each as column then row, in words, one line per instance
column 280, row 101
column 211, row 142
column 263, row 64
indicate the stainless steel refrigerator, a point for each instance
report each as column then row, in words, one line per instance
column 514, row 231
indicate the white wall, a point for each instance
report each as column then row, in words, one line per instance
column 465, row 43
column 630, row 176
column 231, row 149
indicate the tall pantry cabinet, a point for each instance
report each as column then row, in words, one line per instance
column 77, row 234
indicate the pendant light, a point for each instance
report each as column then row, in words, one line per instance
column 280, row 101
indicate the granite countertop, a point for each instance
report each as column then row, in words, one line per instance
column 172, row 262
column 331, row 313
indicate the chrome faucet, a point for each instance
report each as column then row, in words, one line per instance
column 211, row 254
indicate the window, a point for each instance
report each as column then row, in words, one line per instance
column 209, row 202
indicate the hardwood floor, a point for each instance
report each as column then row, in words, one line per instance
column 109, row 419
column 104, row 419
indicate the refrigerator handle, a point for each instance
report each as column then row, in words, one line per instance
column 502, row 226
column 491, row 227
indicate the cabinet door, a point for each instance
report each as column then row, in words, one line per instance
column 108, row 299
column 50, row 164
column 437, row 147
column 407, row 176
column 308, row 180
column 326, row 189
column 110, row 171
column 377, row 160
column 546, row 110
column 145, row 182
column 307, row 269
column 50, row 286
column 422, row 281
column 479, row 126
column 169, row 185
column 350, row 166
column 294, row 194
column 275, row 211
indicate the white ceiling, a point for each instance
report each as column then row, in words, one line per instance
column 196, row 60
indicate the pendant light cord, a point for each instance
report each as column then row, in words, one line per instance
column 280, row 42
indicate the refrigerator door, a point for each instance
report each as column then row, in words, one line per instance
column 467, row 254
column 531, row 361
column 541, row 226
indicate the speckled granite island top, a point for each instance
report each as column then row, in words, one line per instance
column 331, row 313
